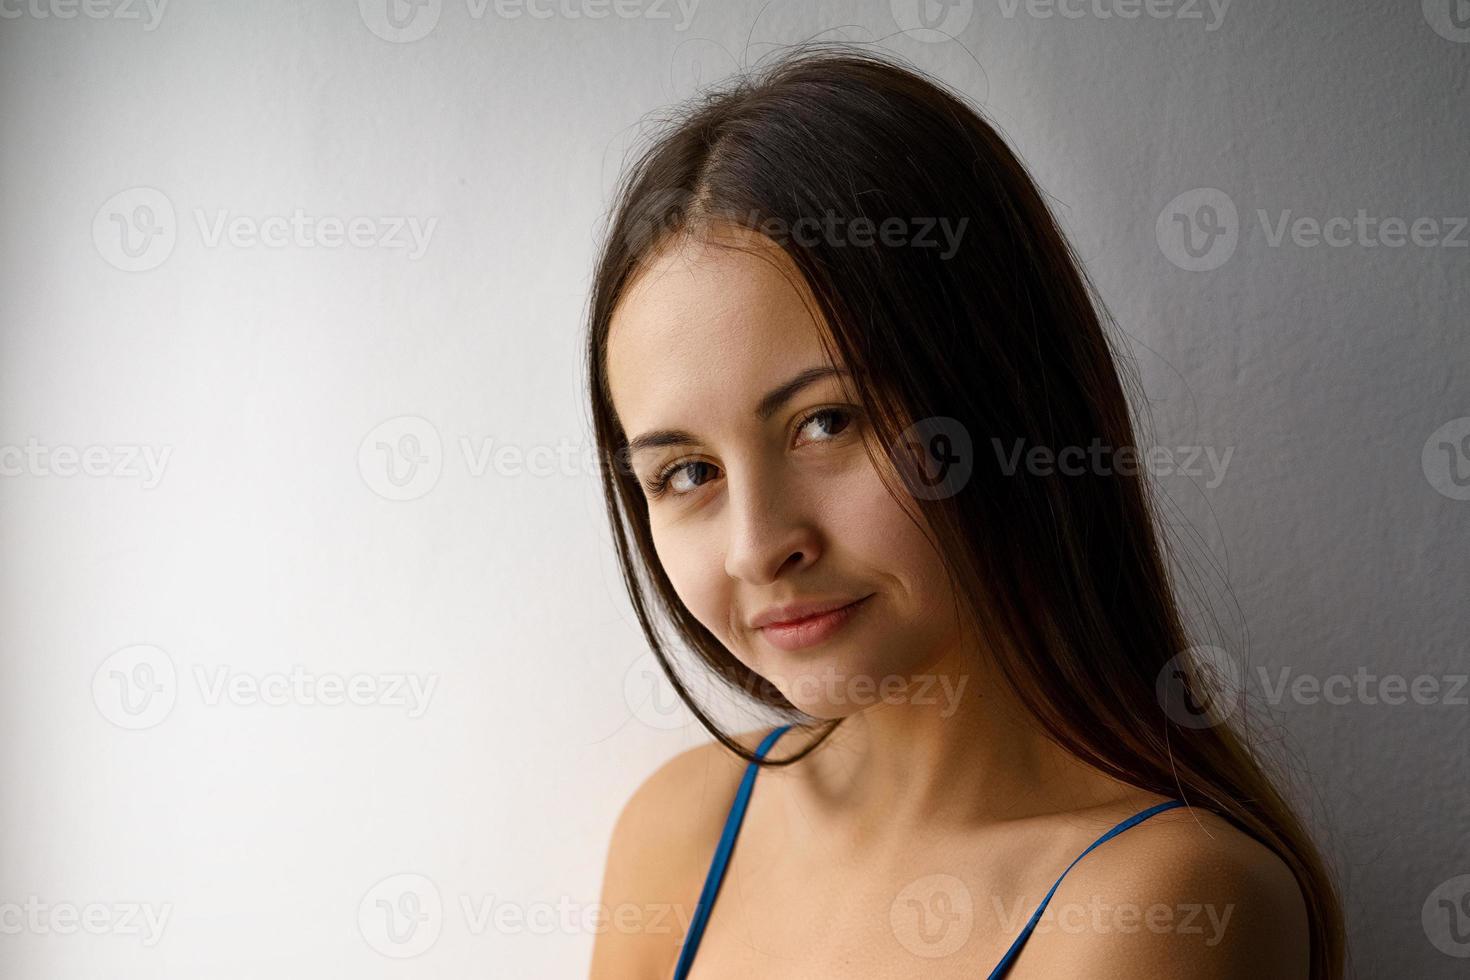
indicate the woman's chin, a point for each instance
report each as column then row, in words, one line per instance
column 829, row 691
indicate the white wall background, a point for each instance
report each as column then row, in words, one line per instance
column 269, row 539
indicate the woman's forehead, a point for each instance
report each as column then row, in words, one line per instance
column 699, row 315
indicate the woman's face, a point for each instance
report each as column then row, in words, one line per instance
column 768, row 496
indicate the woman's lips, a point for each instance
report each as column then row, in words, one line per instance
column 813, row 630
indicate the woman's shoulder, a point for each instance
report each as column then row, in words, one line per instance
column 661, row 845
column 688, row 795
column 1184, row 892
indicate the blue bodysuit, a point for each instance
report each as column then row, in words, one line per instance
column 732, row 829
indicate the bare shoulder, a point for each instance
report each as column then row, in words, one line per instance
column 659, row 852
column 1183, row 893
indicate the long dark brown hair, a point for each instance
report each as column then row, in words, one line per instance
column 1002, row 339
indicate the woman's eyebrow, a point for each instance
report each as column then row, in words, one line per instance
column 768, row 406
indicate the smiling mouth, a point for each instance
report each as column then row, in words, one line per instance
column 810, row 631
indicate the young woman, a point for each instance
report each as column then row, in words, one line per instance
column 840, row 358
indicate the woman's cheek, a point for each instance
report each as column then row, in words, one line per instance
column 874, row 526
column 695, row 568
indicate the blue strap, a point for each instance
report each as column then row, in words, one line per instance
column 722, row 856
column 1015, row 950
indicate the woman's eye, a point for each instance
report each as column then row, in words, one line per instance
column 688, row 483
column 829, row 421
column 669, row 479
column 683, row 478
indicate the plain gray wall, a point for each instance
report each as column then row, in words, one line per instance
column 158, row 748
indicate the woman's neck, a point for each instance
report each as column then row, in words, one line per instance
column 957, row 752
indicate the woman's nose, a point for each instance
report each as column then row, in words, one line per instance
column 771, row 533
